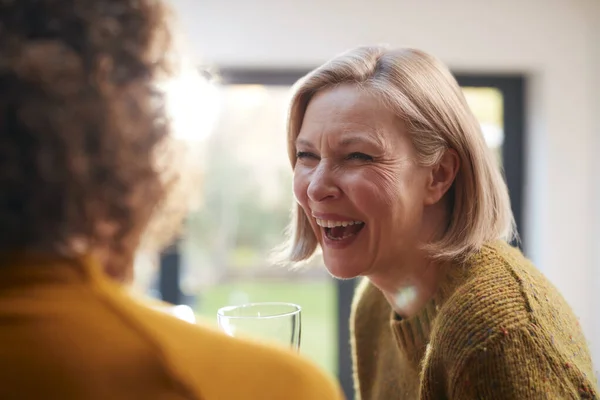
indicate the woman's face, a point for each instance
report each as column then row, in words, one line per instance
column 358, row 181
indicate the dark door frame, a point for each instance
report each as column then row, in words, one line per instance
column 513, row 91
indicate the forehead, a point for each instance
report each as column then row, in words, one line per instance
column 347, row 110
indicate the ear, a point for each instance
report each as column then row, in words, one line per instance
column 442, row 176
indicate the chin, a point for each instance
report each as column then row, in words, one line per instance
column 343, row 270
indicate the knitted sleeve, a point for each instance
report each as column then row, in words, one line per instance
column 516, row 366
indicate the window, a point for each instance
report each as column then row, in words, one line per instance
column 486, row 104
column 245, row 210
column 245, row 201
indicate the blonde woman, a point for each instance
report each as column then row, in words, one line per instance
column 82, row 128
column 395, row 184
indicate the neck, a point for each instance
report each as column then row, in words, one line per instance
column 408, row 288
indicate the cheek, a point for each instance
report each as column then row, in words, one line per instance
column 390, row 186
column 401, row 199
column 376, row 188
column 300, row 188
column 300, row 193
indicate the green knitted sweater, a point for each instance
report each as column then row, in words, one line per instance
column 496, row 329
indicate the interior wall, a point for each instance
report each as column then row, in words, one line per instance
column 553, row 42
column 595, row 101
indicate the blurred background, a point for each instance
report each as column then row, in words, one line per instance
column 530, row 70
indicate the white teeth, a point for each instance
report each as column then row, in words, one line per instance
column 332, row 224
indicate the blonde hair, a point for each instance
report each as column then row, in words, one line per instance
column 421, row 91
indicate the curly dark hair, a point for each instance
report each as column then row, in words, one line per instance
column 80, row 123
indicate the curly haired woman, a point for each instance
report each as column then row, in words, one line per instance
column 82, row 128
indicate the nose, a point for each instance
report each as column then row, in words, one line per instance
column 322, row 185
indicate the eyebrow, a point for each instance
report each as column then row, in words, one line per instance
column 345, row 142
column 304, row 142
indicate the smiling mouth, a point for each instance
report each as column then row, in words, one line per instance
column 340, row 230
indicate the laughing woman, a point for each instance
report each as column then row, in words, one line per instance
column 395, row 183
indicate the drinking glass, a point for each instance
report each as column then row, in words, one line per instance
column 269, row 322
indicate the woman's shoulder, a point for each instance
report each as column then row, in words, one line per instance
column 218, row 366
column 369, row 306
column 226, row 367
column 498, row 291
column 502, row 311
column 486, row 295
column 501, row 278
column 366, row 293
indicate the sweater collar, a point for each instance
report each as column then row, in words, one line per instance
column 27, row 267
column 412, row 334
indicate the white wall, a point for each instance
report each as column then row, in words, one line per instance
column 595, row 66
column 552, row 41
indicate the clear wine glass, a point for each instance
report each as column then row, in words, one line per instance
column 270, row 322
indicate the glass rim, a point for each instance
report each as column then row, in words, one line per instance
column 221, row 312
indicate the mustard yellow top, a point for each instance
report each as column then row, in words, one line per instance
column 496, row 330
column 67, row 332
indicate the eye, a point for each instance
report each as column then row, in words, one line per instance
column 359, row 157
column 304, row 154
